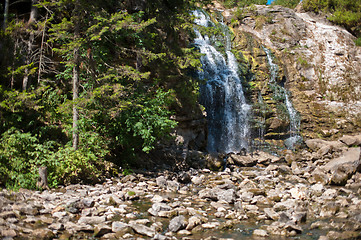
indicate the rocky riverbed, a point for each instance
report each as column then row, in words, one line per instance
column 304, row 195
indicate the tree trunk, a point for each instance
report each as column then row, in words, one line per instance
column 76, row 80
column 43, row 178
column 28, row 59
column 6, row 14
column 33, row 12
column 75, row 98
column 32, row 19
column 40, row 67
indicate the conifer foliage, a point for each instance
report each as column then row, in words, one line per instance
column 101, row 80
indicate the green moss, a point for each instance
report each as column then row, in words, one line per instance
column 358, row 41
column 131, row 193
column 303, row 62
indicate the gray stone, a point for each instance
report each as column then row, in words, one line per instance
column 88, row 202
column 121, row 228
column 77, row 227
column 118, row 226
column 59, row 214
column 210, row 225
column 7, row 214
column 184, row 178
column 299, row 217
column 43, row 234
column 242, row 161
column 317, row 189
column 143, row 230
column 161, row 181
column 270, row 213
column 315, row 144
column 172, row 186
column 159, row 207
column 160, row 237
column 324, row 150
column 319, row 175
column 260, row 233
column 228, row 196
column 8, row 233
column 193, row 222
column 101, row 229
column 26, row 209
column 167, row 214
column 91, row 220
column 197, row 180
column 56, row 226
column 293, row 227
column 159, row 199
column 129, row 178
column 177, row 223
column 284, row 217
column 351, row 140
column 344, row 167
column 285, row 205
column 208, row 193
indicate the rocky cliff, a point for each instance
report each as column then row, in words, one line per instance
column 319, row 64
column 285, row 54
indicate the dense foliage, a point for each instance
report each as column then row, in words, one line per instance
column 346, row 13
column 286, row 3
column 132, row 62
column 242, row 3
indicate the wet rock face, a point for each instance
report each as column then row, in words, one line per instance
column 319, row 63
column 279, row 198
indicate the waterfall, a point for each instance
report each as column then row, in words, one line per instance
column 222, row 94
column 292, row 113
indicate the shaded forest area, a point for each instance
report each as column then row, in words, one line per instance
column 87, row 82
column 82, row 82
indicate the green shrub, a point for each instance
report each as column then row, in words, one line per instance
column 242, row 3
column 21, row 154
column 346, row 13
column 287, row 3
column 358, row 41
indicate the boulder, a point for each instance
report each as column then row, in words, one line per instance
column 324, row 146
column 143, row 230
column 157, row 208
column 242, row 161
column 161, row 181
column 194, row 221
column 177, row 223
column 198, row 179
column 208, row 193
column 102, row 229
column 351, row 140
column 260, row 233
column 172, row 186
column 270, row 213
column 226, row 195
column 91, row 220
column 120, row 227
column 319, row 175
column 43, row 234
column 344, row 167
column 214, row 162
column 8, row 233
column 315, row 144
column 184, row 177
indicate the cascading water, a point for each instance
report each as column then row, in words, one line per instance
column 292, row 113
column 222, row 94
